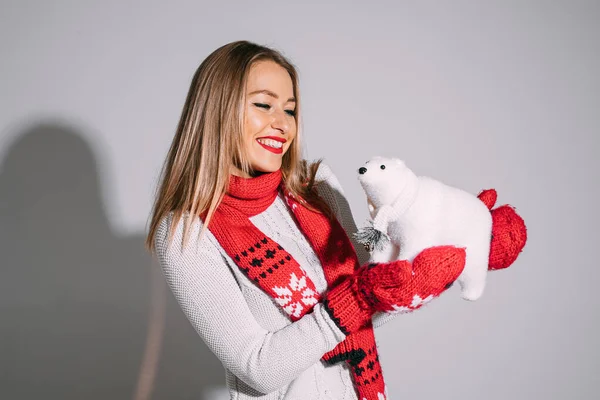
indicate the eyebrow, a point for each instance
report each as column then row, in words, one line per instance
column 272, row 94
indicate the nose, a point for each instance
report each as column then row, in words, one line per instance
column 362, row 170
column 280, row 122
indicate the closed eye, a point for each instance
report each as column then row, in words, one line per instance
column 268, row 107
column 263, row 105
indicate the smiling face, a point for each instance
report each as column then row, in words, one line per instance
column 269, row 116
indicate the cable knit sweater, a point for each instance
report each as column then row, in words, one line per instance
column 264, row 354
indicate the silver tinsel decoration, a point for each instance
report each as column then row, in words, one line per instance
column 371, row 238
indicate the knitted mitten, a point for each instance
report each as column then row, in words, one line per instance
column 509, row 233
column 393, row 286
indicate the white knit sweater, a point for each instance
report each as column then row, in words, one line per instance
column 264, row 354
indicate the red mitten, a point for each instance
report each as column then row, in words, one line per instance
column 509, row 233
column 433, row 271
column 393, row 286
column 352, row 302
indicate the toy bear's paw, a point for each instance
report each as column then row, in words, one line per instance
column 472, row 293
column 371, row 238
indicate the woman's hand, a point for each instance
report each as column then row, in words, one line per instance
column 397, row 286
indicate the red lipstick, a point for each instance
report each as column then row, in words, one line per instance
column 272, row 149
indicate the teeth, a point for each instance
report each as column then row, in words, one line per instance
column 271, row 143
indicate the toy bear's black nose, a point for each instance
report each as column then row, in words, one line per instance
column 362, row 170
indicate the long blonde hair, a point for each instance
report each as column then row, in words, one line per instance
column 208, row 141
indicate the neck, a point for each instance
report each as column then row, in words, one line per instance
column 242, row 174
column 239, row 172
column 407, row 196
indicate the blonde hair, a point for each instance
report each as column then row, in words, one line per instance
column 208, row 141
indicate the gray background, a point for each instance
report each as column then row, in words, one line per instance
column 476, row 94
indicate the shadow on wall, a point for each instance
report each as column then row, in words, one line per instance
column 85, row 314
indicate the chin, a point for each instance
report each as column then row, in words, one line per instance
column 266, row 167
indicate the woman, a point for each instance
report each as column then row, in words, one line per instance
column 252, row 241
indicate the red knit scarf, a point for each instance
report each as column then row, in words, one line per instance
column 276, row 272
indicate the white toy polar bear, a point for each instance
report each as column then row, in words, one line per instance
column 417, row 212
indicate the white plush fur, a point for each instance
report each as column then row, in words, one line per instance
column 419, row 212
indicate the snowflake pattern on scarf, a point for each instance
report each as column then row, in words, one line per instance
column 294, row 295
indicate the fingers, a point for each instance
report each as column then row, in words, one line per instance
column 436, row 268
column 448, row 259
column 410, row 285
column 383, row 283
column 393, row 274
